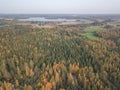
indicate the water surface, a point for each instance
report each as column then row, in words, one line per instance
column 43, row 19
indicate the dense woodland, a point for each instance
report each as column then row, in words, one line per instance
column 59, row 58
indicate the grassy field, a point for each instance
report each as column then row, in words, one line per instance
column 89, row 32
column 91, row 36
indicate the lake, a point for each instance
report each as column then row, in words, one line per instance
column 4, row 25
column 43, row 19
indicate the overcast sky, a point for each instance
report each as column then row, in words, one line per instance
column 60, row 6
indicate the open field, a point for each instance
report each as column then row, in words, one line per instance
column 90, row 32
column 90, row 36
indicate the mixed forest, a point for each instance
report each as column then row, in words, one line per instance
column 65, row 57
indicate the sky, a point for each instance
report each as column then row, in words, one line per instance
column 60, row 6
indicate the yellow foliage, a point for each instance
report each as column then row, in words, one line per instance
column 8, row 86
column 39, row 84
column 28, row 87
column 54, row 85
column 29, row 71
column 1, row 88
column 43, row 88
column 49, row 86
column 57, row 77
column 16, row 82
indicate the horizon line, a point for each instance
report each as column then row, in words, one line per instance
column 64, row 13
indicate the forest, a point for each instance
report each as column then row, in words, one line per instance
column 64, row 57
